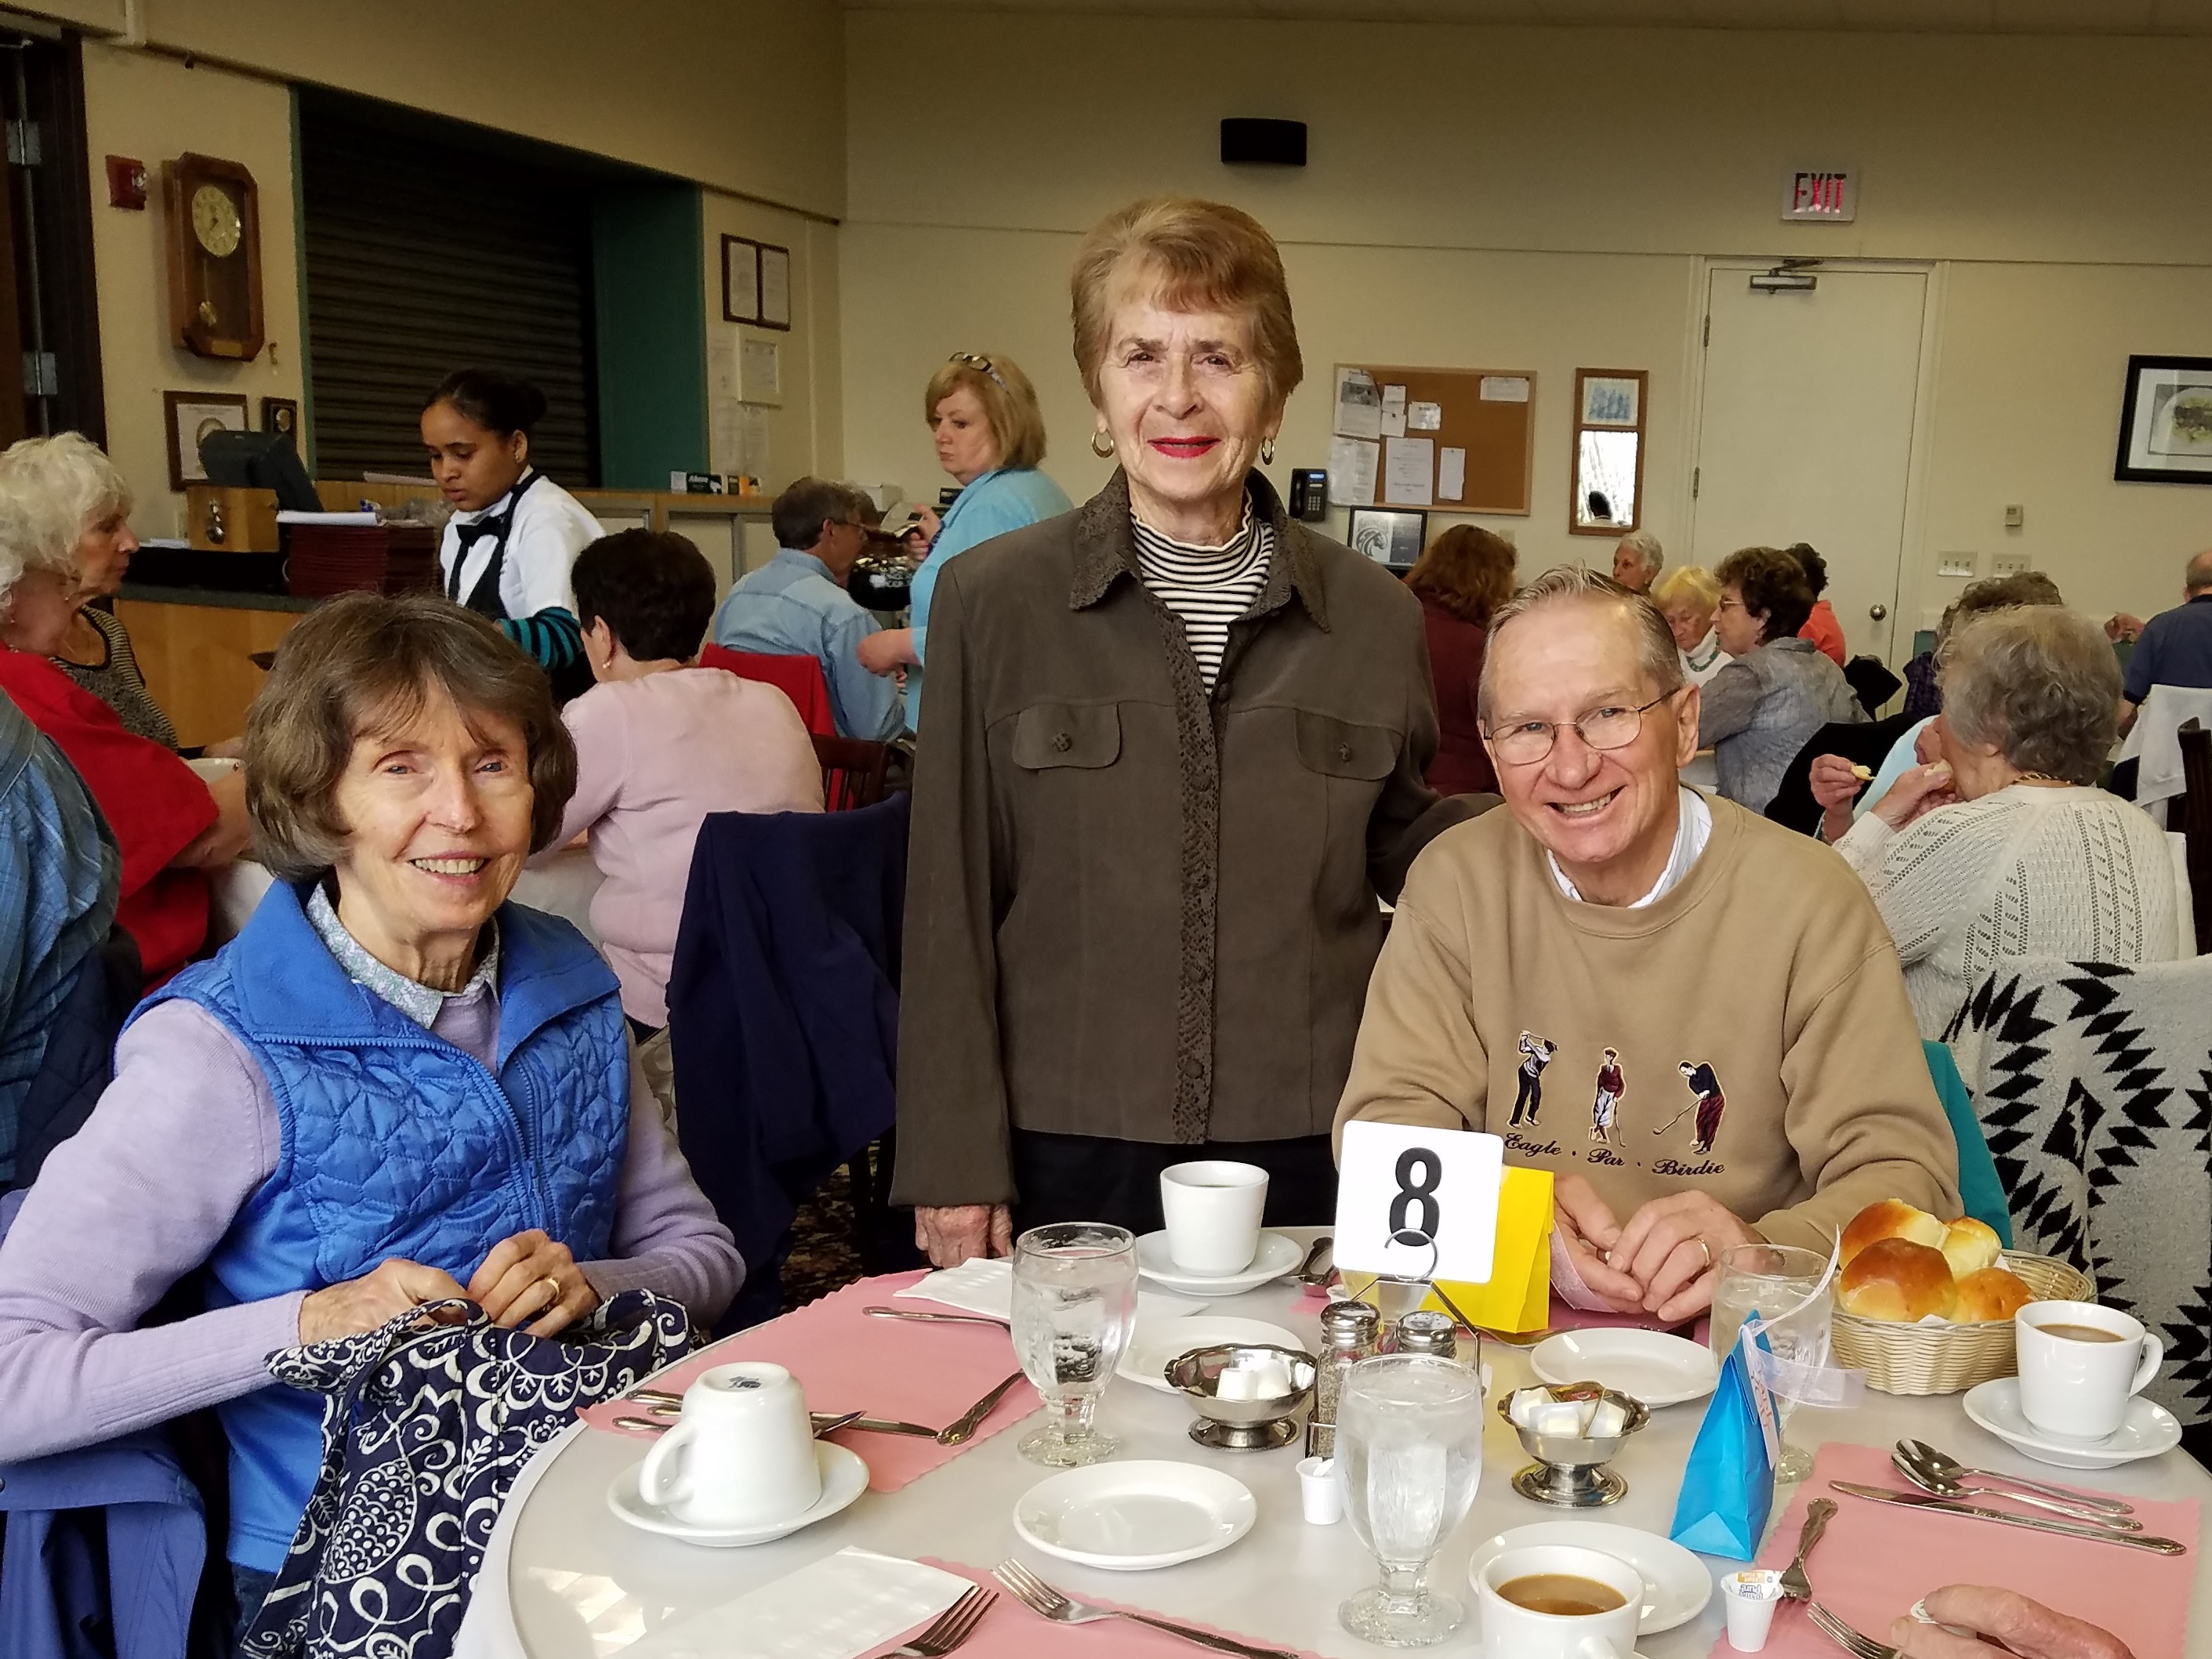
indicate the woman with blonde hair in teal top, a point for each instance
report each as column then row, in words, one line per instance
column 989, row 433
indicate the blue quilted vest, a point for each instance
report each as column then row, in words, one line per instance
column 396, row 1143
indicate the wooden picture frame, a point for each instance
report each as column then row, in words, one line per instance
column 282, row 416
column 741, row 280
column 197, row 409
column 774, row 287
column 1607, row 451
column 2166, row 422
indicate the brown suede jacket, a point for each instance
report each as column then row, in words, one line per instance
column 1136, row 909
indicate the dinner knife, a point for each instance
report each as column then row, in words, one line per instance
column 2064, row 1529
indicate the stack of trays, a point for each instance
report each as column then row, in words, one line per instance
column 325, row 560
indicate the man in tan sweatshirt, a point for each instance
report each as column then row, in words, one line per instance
column 1716, row 992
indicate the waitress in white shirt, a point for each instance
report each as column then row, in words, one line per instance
column 509, row 545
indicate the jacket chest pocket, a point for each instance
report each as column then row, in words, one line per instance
column 1338, row 749
column 1051, row 735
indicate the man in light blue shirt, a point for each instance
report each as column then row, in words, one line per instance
column 795, row 606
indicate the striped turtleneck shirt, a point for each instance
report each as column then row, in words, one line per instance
column 1207, row 587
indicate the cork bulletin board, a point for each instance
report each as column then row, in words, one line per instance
column 1487, row 415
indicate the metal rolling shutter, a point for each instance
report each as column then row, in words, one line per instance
column 424, row 257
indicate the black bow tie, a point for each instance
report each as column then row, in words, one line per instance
column 470, row 534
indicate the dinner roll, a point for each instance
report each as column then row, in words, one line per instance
column 1992, row 1293
column 1970, row 1246
column 1891, row 1218
column 1896, row 1279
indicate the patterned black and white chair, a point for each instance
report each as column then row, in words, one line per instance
column 2093, row 1085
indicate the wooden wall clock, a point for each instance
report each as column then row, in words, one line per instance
column 215, row 257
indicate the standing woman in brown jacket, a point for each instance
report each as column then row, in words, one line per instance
column 1174, row 753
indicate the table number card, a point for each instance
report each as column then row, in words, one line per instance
column 1415, row 1203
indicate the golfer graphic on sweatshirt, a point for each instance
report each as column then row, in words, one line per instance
column 1607, row 1106
column 1535, row 1055
column 1710, row 1103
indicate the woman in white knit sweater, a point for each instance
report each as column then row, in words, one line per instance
column 2003, row 848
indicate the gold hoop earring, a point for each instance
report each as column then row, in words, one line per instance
column 1266, row 452
column 1098, row 438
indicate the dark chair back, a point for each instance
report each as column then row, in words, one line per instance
column 2196, row 823
column 852, row 771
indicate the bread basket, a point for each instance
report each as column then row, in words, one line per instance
column 1900, row 1359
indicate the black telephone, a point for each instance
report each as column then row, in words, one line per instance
column 1310, row 493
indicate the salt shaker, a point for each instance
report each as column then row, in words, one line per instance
column 1423, row 1331
column 1349, row 1331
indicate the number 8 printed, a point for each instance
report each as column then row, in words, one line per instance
column 1411, row 1193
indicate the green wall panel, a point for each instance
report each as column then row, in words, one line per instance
column 648, row 266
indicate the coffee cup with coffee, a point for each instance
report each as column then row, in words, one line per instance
column 2079, row 1365
column 742, row 1454
column 1559, row 1602
column 1213, row 1208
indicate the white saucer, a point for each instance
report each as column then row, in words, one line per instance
column 1648, row 1365
column 1159, row 1342
column 1128, row 1517
column 844, row 1478
column 1676, row 1584
column 1278, row 1255
column 2147, row 1430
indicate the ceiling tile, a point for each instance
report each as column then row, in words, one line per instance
column 2073, row 16
column 2093, row 17
column 1920, row 17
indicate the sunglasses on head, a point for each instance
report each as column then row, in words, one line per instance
column 975, row 360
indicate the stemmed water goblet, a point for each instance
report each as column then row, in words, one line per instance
column 1408, row 1455
column 1074, row 1307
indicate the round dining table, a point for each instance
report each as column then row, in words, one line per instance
column 564, row 1578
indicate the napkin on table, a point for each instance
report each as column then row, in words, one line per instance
column 985, row 1285
column 839, row 1608
column 1876, row 1560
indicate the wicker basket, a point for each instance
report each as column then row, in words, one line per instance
column 1950, row 1358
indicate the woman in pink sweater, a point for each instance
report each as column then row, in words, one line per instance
column 659, row 744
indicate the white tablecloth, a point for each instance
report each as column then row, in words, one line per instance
column 563, row 885
column 2154, row 741
column 564, row 1579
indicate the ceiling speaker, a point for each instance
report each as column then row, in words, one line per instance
column 1246, row 142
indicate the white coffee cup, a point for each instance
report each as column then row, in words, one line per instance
column 742, row 1454
column 2073, row 1390
column 1213, row 1209
column 1510, row 1630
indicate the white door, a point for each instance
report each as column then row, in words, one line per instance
column 1805, row 433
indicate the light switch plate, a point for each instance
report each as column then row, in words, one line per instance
column 2015, row 516
column 1957, row 564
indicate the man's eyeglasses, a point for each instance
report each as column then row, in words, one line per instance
column 1526, row 742
column 975, row 360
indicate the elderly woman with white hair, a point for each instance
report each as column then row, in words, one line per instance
column 1637, row 557
column 172, row 828
column 1688, row 596
column 2003, row 847
column 83, row 485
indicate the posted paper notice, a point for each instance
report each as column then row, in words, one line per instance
column 1451, row 475
column 1505, row 388
column 1358, row 405
column 1394, row 411
column 1424, row 417
column 1351, row 463
column 1409, row 467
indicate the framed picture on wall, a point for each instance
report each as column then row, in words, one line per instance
column 1388, row 535
column 191, row 415
column 741, row 280
column 2166, row 422
column 774, row 286
column 282, row 416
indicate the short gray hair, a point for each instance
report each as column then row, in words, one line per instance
column 1656, row 653
column 2041, row 683
column 1645, row 546
column 51, row 491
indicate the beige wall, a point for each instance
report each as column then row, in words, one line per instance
column 1543, row 199
column 152, row 108
column 700, row 89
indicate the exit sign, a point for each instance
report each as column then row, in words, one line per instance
column 1830, row 195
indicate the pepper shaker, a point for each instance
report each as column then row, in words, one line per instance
column 1423, row 1331
column 1349, row 1332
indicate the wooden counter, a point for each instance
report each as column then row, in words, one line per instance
column 195, row 648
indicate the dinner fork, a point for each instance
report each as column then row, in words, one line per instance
column 1858, row 1646
column 1041, row 1599
column 953, row 1627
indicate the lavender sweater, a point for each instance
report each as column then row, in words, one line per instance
column 145, row 1191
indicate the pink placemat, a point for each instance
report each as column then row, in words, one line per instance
column 894, row 1368
column 1010, row 1631
column 1876, row 1560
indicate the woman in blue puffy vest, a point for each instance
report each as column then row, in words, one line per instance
column 392, row 1086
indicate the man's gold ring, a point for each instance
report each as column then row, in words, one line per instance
column 1700, row 1242
column 554, row 1285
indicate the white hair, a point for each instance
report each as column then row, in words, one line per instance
column 1645, row 546
column 51, row 491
